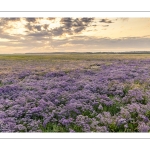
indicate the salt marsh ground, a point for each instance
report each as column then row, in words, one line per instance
column 75, row 93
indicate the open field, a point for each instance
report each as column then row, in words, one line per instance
column 75, row 93
column 77, row 56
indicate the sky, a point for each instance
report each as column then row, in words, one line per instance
column 39, row 35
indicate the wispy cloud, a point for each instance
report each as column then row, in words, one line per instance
column 105, row 21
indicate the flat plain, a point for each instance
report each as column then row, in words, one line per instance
column 75, row 93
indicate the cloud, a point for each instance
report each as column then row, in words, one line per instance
column 68, row 26
column 108, row 43
column 29, row 27
column 75, row 43
column 33, row 24
column 77, row 25
column 45, row 26
column 57, row 31
column 124, row 19
column 79, row 29
column 106, row 21
column 37, row 27
column 50, row 18
column 38, row 34
column 67, row 22
column 10, row 19
column 4, row 22
column 105, row 25
column 33, row 20
column 34, row 27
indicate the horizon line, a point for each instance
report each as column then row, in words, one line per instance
column 77, row 52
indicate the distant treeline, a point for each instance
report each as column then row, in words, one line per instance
column 132, row 52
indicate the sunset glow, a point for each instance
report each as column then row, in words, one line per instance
column 34, row 35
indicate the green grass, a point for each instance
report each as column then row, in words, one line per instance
column 52, row 127
column 48, row 57
column 114, row 109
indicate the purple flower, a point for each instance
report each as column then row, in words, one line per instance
column 2, row 114
column 142, row 127
column 144, row 118
column 121, row 121
column 71, row 130
column 100, row 107
column 20, row 127
column 80, row 95
column 66, row 122
column 101, row 129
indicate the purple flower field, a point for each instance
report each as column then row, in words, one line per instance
column 74, row 95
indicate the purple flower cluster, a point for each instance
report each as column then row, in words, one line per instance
column 97, row 96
